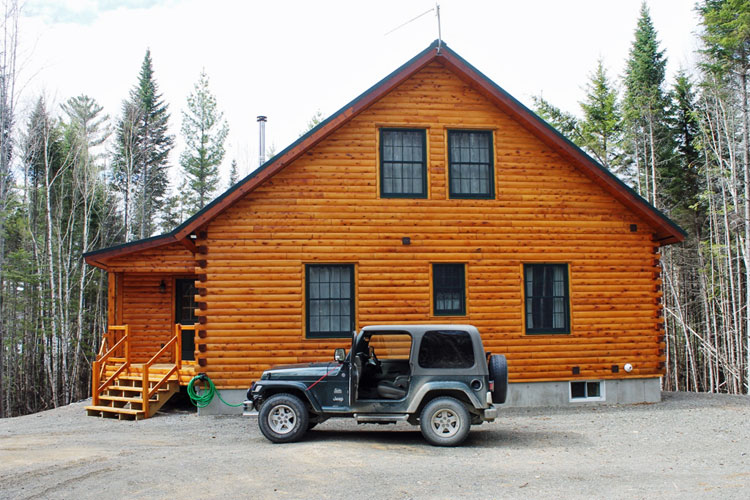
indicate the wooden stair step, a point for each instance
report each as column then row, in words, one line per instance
column 131, row 388
column 111, row 412
column 111, row 409
column 124, row 399
column 137, row 378
column 125, row 388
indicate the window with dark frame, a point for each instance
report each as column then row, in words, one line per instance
column 547, row 299
column 403, row 165
column 329, row 292
column 449, row 289
column 471, row 173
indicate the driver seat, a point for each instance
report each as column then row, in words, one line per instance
column 393, row 390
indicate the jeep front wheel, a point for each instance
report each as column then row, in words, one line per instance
column 283, row 418
column 445, row 422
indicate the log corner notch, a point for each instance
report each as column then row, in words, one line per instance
column 187, row 242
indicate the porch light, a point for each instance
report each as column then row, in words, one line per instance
column 162, row 287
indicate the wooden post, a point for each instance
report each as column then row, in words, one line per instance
column 95, row 384
column 178, row 346
column 127, row 344
column 145, row 389
column 111, row 299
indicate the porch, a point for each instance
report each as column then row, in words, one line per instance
column 125, row 389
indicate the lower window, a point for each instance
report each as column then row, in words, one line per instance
column 329, row 290
column 449, row 290
column 587, row 391
column 547, row 300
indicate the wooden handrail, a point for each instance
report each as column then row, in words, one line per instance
column 100, row 363
column 175, row 341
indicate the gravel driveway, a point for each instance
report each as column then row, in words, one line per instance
column 688, row 446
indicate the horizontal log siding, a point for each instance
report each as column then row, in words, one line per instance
column 148, row 312
column 172, row 258
column 325, row 207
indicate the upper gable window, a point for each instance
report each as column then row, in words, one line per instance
column 471, row 174
column 403, row 168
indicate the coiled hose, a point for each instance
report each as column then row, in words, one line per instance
column 207, row 394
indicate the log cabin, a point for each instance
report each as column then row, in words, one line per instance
column 433, row 197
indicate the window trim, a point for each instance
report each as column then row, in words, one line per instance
column 567, row 329
column 381, row 179
column 602, row 391
column 491, row 159
column 352, row 310
column 462, row 311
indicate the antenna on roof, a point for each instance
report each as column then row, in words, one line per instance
column 436, row 8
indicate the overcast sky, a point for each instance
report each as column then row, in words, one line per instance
column 288, row 59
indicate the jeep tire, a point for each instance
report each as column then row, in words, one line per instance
column 283, row 418
column 498, row 368
column 445, row 422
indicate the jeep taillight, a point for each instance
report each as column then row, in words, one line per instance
column 492, row 386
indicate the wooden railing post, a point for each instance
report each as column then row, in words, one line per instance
column 178, row 346
column 127, row 344
column 95, row 384
column 145, row 393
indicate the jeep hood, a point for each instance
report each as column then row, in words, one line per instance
column 299, row 370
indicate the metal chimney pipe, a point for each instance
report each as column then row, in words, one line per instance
column 262, row 147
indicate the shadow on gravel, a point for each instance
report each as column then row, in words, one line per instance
column 477, row 439
column 358, row 436
column 514, row 438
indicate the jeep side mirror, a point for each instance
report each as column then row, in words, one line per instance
column 339, row 355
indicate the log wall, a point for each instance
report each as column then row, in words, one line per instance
column 136, row 299
column 325, row 208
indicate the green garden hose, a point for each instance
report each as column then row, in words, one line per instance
column 207, row 394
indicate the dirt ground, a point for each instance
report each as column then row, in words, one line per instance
column 687, row 446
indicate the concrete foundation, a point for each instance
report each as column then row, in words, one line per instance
column 626, row 391
column 216, row 407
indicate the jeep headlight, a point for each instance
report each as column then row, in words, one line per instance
column 257, row 388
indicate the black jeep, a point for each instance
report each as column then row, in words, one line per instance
column 437, row 376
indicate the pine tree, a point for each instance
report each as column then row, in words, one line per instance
column 205, row 130
column 645, row 107
column 175, row 211
column 142, row 150
column 600, row 127
column 564, row 122
column 313, row 122
column 234, row 175
column 682, row 178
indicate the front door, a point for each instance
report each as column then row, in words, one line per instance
column 185, row 315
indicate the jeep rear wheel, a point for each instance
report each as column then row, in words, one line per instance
column 283, row 418
column 445, row 422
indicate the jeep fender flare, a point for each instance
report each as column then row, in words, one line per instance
column 442, row 386
column 298, row 388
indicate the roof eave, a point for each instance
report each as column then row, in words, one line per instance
column 100, row 257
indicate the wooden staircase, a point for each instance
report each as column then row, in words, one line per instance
column 124, row 390
column 124, row 398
